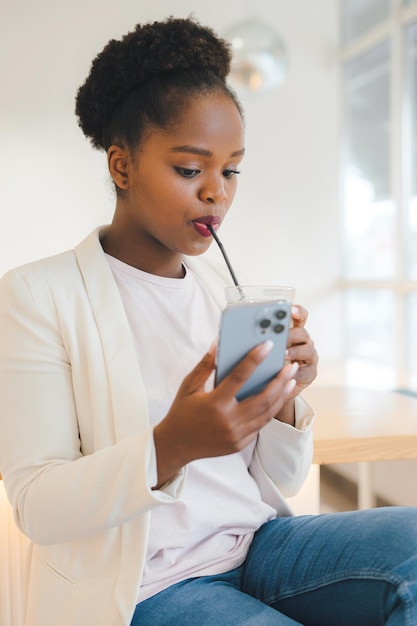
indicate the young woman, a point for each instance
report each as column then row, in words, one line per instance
column 152, row 498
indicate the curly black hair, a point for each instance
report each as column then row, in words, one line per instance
column 144, row 79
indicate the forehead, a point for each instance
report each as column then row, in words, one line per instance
column 211, row 121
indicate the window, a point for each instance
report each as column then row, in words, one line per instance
column 360, row 16
column 411, row 144
column 369, row 213
column 379, row 190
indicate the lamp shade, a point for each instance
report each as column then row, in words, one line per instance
column 260, row 62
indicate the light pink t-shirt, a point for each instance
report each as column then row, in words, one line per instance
column 209, row 528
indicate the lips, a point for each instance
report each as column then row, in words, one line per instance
column 201, row 223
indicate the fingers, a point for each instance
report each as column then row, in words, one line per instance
column 301, row 349
column 306, row 374
column 232, row 383
column 281, row 387
column 267, row 404
column 299, row 315
column 197, row 378
column 300, row 346
column 307, row 357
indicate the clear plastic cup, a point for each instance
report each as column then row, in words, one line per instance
column 259, row 293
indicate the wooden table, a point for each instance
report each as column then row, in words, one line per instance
column 359, row 425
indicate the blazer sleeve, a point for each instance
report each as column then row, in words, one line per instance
column 57, row 493
column 285, row 453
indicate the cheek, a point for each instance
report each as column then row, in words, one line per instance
column 231, row 192
column 181, row 194
column 156, row 195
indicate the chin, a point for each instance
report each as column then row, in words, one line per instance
column 198, row 250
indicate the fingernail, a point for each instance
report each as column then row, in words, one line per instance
column 266, row 347
column 290, row 385
column 295, row 311
column 294, row 369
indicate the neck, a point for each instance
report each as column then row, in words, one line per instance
column 132, row 253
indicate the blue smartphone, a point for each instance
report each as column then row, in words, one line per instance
column 243, row 326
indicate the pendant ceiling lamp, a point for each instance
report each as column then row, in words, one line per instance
column 260, row 63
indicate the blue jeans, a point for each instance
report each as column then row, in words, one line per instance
column 356, row 568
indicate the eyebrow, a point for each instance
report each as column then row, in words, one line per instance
column 202, row 151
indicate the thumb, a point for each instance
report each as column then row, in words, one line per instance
column 197, row 378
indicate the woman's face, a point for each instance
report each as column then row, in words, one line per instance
column 178, row 182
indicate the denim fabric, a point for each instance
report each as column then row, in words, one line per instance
column 356, row 568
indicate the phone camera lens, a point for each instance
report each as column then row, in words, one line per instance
column 280, row 314
column 278, row 328
column 265, row 323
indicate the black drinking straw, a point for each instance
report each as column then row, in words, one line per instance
column 226, row 258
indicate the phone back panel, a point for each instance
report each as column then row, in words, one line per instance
column 242, row 327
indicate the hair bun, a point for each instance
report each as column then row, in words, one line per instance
column 172, row 45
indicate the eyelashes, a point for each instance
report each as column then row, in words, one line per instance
column 186, row 172
column 230, row 173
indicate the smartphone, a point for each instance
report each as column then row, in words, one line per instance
column 242, row 327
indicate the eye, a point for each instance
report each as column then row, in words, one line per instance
column 230, row 173
column 186, row 172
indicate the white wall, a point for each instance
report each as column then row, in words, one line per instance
column 54, row 187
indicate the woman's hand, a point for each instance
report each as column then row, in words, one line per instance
column 301, row 350
column 202, row 424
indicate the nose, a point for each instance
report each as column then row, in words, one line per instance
column 213, row 190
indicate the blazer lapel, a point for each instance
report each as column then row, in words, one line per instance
column 126, row 386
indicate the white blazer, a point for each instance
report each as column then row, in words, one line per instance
column 75, row 439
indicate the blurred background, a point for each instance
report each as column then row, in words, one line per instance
column 327, row 198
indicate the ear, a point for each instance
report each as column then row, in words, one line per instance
column 118, row 160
